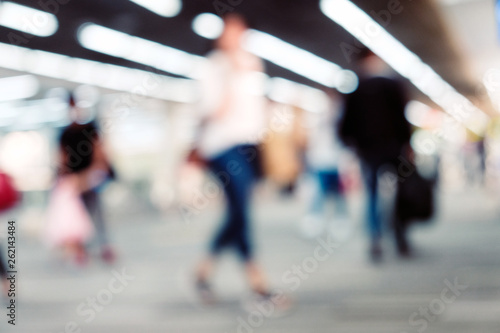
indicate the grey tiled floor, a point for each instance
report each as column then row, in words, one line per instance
column 343, row 293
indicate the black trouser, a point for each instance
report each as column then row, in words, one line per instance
column 93, row 204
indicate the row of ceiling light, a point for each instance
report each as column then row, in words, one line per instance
column 118, row 44
column 271, row 48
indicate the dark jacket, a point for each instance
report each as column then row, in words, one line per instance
column 373, row 121
column 77, row 143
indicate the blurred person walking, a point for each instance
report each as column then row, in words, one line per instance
column 374, row 125
column 233, row 117
column 83, row 171
column 323, row 157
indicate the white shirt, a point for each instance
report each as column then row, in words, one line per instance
column 324, row 148
column 240, row 85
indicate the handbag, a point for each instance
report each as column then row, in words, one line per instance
column 415, row 199
column 279, row 159
column 68, row 220
column 9, row 196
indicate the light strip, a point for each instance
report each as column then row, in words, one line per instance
column 297, row 60
column 121, row 45
column 18, row 87
column 405, row 62
column 292, row 93
column 95, row 73
column 300, row 61
column 455, row 2
column 28, row 20
column 165, row 8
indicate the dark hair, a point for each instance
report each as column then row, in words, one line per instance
column 363, row 54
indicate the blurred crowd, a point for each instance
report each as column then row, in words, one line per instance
column 238, row 137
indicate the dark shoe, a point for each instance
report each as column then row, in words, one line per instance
column 205, row 292
column 402, row 245
column 376, row 252
column 403, row 248
column 108, row 255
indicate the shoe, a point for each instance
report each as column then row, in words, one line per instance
column 402, row 246
column 269, row 304
column 205, row 293
column 108, row 255
column 376, row 252
column 404, row 250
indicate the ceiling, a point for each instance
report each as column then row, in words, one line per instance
column 420, row 26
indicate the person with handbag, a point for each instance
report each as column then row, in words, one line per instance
column 233, row 118
column 84, row 168
column 374, row 125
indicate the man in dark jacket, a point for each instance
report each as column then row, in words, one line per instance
column 374, row 125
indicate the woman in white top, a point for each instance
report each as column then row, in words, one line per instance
column 233, row 120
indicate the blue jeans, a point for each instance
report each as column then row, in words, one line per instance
column 237, row 170
column 329, row 184
column 373, row 218
column 371, row 170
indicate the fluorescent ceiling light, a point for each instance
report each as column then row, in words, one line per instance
column 122, row 45
column 300, row 61
column 107, row 76
column 27, row 19
column 457, row 2
column 422, row 115
column 208, row 25
column 405, row 62
column 165, row 8
column 18, row 87
column 156, row 55
column 272, row 49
